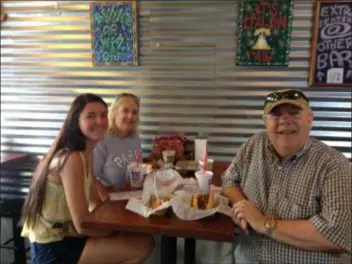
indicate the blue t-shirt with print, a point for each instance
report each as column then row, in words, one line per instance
column 111, row 157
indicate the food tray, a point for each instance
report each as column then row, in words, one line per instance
column 187, row 165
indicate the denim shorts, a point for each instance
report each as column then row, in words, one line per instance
column 67, row 251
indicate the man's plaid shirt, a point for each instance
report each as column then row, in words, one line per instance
column 314, row 184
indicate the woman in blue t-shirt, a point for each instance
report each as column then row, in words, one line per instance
column 120, row 145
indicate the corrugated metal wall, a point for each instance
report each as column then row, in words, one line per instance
column 187, row 78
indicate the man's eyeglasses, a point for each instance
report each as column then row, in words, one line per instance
column 291, row 95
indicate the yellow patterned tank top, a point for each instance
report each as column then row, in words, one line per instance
column 55, row 221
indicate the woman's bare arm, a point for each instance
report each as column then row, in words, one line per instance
column 72, row 176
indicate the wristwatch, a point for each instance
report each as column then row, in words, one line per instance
column 270, row 222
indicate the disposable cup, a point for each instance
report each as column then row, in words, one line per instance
column 136, row 174
column 169, row 156
column 204, row 180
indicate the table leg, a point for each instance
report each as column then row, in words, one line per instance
column 190, row 251
column 168, row 250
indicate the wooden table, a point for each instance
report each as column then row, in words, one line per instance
column 112, row 215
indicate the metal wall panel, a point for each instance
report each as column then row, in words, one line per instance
column 187, row 78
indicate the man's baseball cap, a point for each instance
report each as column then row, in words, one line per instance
column 288, row 96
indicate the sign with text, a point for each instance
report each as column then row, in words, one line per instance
column 114, row 33
column 331, row 60
column 264, row 32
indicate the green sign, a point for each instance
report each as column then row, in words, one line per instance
column 264, row 32
column 114, row 33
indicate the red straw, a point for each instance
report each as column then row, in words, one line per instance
column 138, row 156
column 205, row 159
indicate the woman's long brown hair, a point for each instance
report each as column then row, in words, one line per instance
column 69, row 139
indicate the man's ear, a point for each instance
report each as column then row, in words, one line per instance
column 264, row 119
column 310, row 117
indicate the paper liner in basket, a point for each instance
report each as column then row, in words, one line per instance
column 181, row 205
column 158, row 183
column 138, row 206
column 161, row 183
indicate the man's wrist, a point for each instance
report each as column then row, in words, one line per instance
column 269, row 226
column 233, row 202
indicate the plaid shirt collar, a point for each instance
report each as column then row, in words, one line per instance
column 295, row 156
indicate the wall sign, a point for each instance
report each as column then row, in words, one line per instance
column 114, row 33
column 331, row 60
column 264, row 32
column 3, row 15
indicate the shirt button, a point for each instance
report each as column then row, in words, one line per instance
column 280, row 167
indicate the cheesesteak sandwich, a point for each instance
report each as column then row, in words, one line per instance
column 154, row 202
column 203, row 201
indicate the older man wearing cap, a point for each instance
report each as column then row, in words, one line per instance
column 291, row 193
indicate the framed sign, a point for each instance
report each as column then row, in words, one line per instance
column 331, row 60
column 264, row 32
column 3, row 16
column 114, row 33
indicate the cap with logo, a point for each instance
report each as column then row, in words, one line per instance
column 287, row 96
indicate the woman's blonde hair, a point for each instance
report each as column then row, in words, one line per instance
column 112, row 129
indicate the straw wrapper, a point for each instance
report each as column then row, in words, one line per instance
column 181, row 205
column 160, row 184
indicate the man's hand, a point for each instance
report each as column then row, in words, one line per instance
column 239, row 221
column 245, row 211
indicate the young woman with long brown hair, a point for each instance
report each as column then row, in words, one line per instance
column 63, row 191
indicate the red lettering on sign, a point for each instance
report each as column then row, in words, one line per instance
column 259, row 56
column 257, row 22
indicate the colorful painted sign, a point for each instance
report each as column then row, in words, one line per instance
column 264, row 32
column 114, row 33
